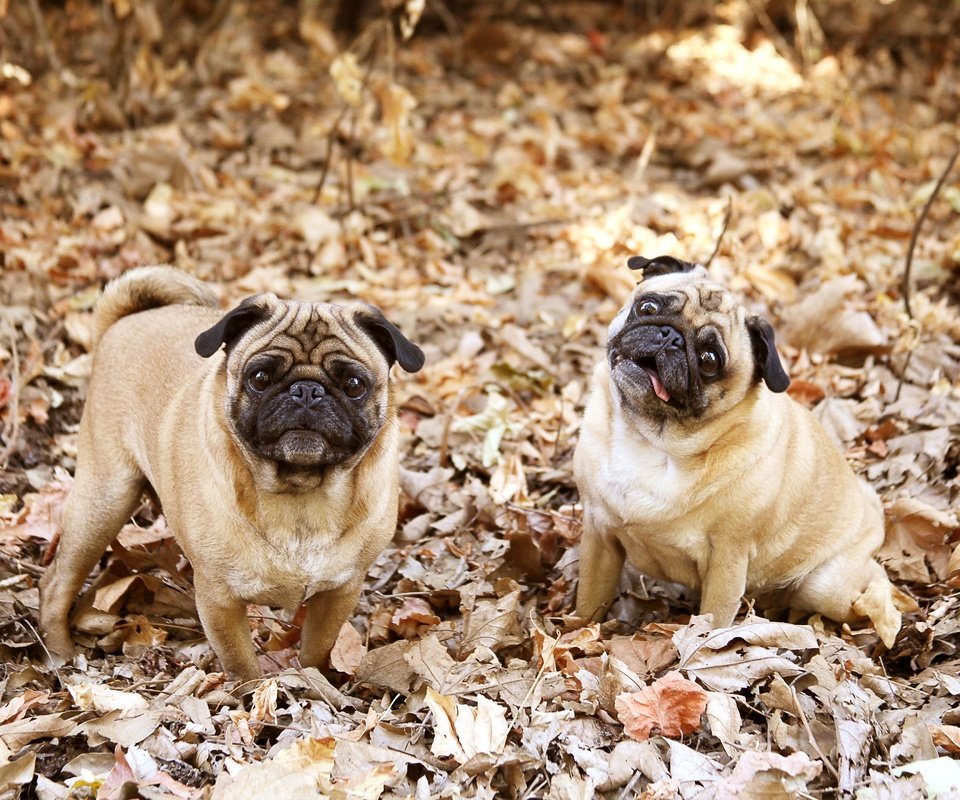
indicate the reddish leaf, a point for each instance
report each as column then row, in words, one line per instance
column 671, row 706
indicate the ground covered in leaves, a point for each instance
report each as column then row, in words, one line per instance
column 483, row 181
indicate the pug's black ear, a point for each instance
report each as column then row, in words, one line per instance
column 395, row 346
column 232, row 326
column 769, row 368
column 660, row 265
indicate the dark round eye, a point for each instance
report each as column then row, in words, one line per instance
column 260, row 380
column 647, row 308
column 354, row 387
column 709, row 363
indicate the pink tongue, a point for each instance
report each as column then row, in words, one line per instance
column 658, row 388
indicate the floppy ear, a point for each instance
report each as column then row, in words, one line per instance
column 395, row 346
column 233, row 325
column 659, row 265
column 769, row 368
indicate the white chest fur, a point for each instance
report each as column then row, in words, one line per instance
column 645, row 483
column 306, row 549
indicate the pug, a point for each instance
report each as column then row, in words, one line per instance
column 268, row 433
column 695, row 465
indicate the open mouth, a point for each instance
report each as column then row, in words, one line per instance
column 649, row 366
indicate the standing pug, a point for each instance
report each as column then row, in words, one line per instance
column 694, row 464
column 269, row 434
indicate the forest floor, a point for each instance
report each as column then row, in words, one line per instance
column 484, row 182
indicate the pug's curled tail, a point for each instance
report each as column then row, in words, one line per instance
column 148, row 287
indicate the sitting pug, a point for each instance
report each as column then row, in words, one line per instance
column 694, row 464
column 269, row 434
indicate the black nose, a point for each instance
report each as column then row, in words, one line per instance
column 307, row 393
column 670, row 338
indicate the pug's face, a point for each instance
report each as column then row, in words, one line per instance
column 307, row 383
column 683, row 349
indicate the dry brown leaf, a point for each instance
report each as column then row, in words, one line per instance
column 17, row 707
column 724, row 720
column 298, row 772
column 492, row 624
column 347, row 77
column 116, row 786
column 768, row 776
column 18, row 771
column 918, row 535
column 827, row 321
column 265, row 702
column 348, row 651
column 41, row 513
column 671, row 706
column 396, row 105
column 413, row 618
column 104, row 699
column 644, row 655
column 947, row 737
column 386, row 667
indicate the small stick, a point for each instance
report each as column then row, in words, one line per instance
column 44, row 35
column 905, row 285
column 813, row 739
column 11, row 430
column 723, row 229
column 328, row 156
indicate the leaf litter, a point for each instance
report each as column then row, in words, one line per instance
column 483, row 181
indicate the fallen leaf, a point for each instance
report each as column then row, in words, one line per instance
column 17, row 707
column 103, row 699
column 348, row 651
column 18, row 772
column 671, row 706
column 761, row 775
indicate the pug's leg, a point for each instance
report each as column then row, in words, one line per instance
column 326, row 613
column 601, row 562
column 225, row 623
column 724, row 585
column 102, row 500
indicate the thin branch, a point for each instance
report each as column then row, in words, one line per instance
column 11, row 430
column 805, row 724
column 905, row 285
column 780, row 44
column 328, row 157
column 723, row 229
column 44, row 35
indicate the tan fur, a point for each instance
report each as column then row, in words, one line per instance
column 157, row 412
column 751, row 497
column 148, row 287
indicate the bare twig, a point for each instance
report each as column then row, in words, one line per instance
column 813, row 740
column 728, row 212
column 50, row 659
column 328, row 156
column 646, row 154
column 905, row 285
column 349, row 176
column 12, row 428
column 769, row 27
column 332, row 135
column 44, row 36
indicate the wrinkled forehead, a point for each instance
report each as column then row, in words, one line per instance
column 685, row 293
column 307, row 333
column 703, row 294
